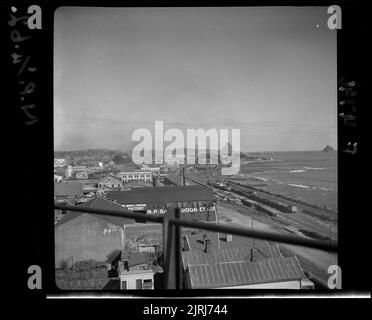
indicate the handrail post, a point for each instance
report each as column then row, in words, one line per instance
column 172, row 250
column 178, row 250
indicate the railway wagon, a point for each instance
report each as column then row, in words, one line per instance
column 261, row 208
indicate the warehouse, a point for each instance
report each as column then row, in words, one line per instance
column 195, row 202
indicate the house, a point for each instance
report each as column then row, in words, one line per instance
column 87, row 236
column 133, row 261
column 137, row 279
column 135, row 270
column 111, row 181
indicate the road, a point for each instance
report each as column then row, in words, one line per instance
column 321, row 259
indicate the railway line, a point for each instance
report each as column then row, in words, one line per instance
column 298, row 221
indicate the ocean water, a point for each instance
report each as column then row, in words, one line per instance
column 310, row 176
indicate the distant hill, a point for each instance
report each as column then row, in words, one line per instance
column 328, row 148
column 92, row 155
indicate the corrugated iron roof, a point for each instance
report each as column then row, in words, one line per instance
column 98, row 203
column 240, row 273
column 196, row 243
column 192, row 258
column 164, row 194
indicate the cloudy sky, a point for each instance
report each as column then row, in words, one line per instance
column 270, row 72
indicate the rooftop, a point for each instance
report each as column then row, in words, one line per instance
column 193, row 258
column 98, row 203
column 263, row 248
column 125, row 272
column 111, row 175
column 134, row 258
column 164, row 194
column 239, row 273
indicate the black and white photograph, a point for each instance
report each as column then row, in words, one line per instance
column 229, row 114
column 172, row 149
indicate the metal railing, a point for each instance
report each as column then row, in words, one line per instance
column 172, row 242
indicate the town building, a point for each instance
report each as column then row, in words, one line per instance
column 59, row 162
column 280, row 273
column 154, row 170
column 137, row 279
column 87, row 236
column 215, row 260
column 209, row 242
column 195, row 202
column 91, row 170
column 136, row 175
column 70, row 170
column 111, row 181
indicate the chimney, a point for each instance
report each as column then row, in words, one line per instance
column 126, row 265
column 206, row 244
column 204, row 237
column 228, row 237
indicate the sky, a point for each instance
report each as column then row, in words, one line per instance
column 270, row 72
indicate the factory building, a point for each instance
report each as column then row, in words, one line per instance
column 195, row 202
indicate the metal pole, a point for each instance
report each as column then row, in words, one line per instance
column 167, row 241
column 178, row 250
column 114, row 213
column 172, row 250
column 254, row 241
column 299, row 241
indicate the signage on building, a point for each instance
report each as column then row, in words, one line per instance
column 141, row 207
